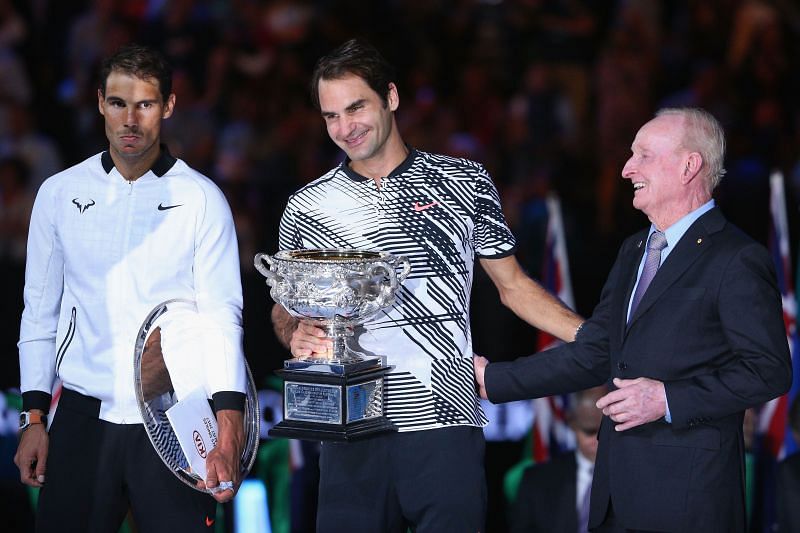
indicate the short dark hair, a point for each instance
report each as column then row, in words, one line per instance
column 358, row 58
column 142, row 62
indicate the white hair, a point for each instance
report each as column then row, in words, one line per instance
column 703, row 134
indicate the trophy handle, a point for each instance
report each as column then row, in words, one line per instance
column 395, row 279
column 390, row 273
column 387, row 291
column 259, row 260
column 406, row 268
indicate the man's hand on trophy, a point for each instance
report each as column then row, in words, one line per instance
column 310, row 340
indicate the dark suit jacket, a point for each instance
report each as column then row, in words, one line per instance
column 546, row 500
column 710, row 326
column 788, row 492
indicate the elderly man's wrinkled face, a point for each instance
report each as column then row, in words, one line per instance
column 656, row 166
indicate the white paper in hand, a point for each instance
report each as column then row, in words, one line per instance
column 196, row 428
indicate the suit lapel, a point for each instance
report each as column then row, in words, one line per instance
column 692, row 245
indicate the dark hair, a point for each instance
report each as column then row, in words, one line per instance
column 142, row 62
column 357, row 58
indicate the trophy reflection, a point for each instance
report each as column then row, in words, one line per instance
column 339, row 395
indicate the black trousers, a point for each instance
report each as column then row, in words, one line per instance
column 429, row 481
column 610, row 524
column 96, row 470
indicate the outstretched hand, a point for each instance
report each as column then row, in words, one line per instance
column 635, row 402
column 480, row 362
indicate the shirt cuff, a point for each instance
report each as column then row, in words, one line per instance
column 667, row 416
column 228, row 400
column 36, row 399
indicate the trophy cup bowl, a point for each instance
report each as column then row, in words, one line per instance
column 339, row 395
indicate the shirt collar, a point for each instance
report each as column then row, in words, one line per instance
column 584, row 464
column 402, row 167
column 161, row 165
column 676, row 231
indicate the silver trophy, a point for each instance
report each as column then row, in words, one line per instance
column 168, row 372
column 338, row 395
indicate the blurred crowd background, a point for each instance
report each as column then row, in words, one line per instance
column 548, row 94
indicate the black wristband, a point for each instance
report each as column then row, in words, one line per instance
column 228, row 400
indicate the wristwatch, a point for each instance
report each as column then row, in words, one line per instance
column 26, row 419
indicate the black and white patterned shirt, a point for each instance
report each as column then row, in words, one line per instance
column 440, row 212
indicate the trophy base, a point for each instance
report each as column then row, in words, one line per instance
column 315, row 432
column 321, row 405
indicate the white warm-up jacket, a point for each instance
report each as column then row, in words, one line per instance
column 102, row 253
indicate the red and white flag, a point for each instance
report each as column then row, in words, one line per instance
column 550, row 430
column 773, row 415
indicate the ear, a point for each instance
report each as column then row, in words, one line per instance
column 100, row 100
column 694, row 162
column 393, row 98
column 169, row 106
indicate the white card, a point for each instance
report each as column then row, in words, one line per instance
column 196, row 428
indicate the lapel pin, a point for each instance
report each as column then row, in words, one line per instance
column 699, row 240
column 639, row 244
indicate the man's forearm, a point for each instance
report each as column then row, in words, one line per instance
column 230, row 423
column 284, row 324
column 529, row 300
column 544, row 311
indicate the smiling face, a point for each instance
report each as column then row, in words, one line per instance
column 133, row 109
column 658, row 170
column 360, row 123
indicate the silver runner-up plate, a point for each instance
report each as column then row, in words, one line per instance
column 170, row 383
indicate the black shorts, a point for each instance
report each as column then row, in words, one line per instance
column 97, row 470
column 430, row 481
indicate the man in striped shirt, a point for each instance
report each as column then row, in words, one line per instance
column 441, row 212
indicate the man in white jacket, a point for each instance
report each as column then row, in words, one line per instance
column 110, row 239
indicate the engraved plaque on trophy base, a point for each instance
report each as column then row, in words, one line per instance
column 332, row 402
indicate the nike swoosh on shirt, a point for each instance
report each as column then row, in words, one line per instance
column 162, row 207
column 419, row 207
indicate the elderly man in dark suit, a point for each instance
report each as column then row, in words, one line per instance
column 688, row 332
